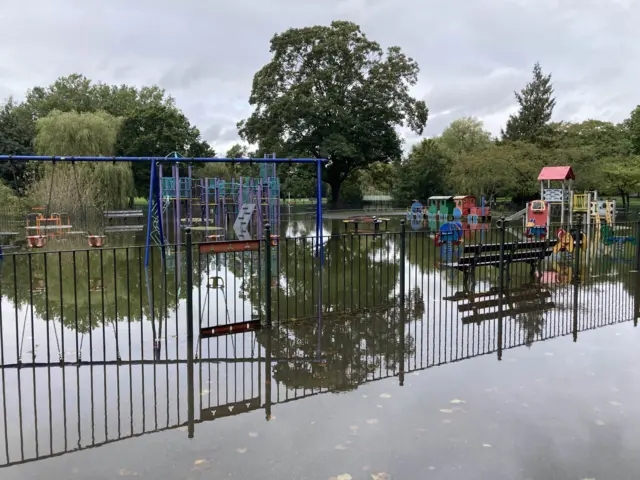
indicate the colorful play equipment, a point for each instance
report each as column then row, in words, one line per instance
column 538, row 219
column 50, row 225
column 450, row 233
column 96, row 241
column 216, row 204
column 36, row 241
column 440, row 205
column 457, row 207
column 416, row 211
column 558, row 196
column 155, row 232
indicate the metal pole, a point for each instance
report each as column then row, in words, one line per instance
column 177, row 234
column 267, row 259
column 190, row 379
column 577, row 250
column 638, row 245
column 48, row 158
column 150, row 213
column 319, row 244
column 503, row 227
column 403, row 235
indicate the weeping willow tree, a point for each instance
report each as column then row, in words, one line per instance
column 76, row 187
column 8, row 199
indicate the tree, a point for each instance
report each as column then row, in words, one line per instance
column 16, row 138
column 465, row 135
column 422, row 174
column 620, row 175
column 536, row 107
column 157, row 130
column 77, row 187
column 508, row 170
column 632, row 125
column 153, row 125
column 330, row 92
column 603, row 138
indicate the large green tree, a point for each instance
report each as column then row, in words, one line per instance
column 464, row 135
column 422, row 174
column 152, row 126
column 632, row 125
column 16, row 138
column 536, row 101
column 330, row 92
column 157, row 129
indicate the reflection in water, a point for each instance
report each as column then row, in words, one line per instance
column 52, row 410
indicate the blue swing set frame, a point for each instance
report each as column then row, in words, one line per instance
column 154, row 187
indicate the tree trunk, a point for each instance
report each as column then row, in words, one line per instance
column 335, row 192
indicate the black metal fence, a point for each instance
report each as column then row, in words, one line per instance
column 53, row 410
column 103, row 306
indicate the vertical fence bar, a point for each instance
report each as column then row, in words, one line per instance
column 267, row 247
column 503, row 227
column 577, row 250
column 638, row 245
column 189, row 286
column 403, row 235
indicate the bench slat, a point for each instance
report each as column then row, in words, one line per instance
column 527, row 308
column 495, row 247
column 494, row 302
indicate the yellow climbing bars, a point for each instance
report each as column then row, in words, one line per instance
column 580, row 202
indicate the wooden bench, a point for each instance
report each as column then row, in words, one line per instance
column 488, row 255
column 533, row 298
column 123, row 213
column 113, row 216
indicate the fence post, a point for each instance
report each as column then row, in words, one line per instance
column 577, row 250
column 403, row 236
column 267, row 259
column 190, row 380
column 638, row 245
column 502, row 224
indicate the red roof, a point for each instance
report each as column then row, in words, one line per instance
column 556, row 173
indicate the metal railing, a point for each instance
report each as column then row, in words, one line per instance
column 57, row 409
column 102, row 306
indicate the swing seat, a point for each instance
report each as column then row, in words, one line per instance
column 215, row 282
column 36, row 241
column 96, row 241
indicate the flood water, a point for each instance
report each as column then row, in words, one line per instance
column 380, row 367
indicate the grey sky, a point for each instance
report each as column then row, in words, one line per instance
column 472, row 53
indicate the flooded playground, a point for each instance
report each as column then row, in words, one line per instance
column 249, row 339
column 216, row 363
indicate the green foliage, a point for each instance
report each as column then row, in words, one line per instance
column 330, row 92
column 16, row 138
column 632, row 126
column 422, row 174
column 465, row 135
column 620, row 175
column 156, row 129
column 8, row 199
column 536, row 107
column 71, row 133
column 71, row 188
column 352, row 190
column 152, row 125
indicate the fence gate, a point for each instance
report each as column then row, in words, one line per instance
column 232, row 285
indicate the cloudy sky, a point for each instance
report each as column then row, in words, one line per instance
column 472, row 53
